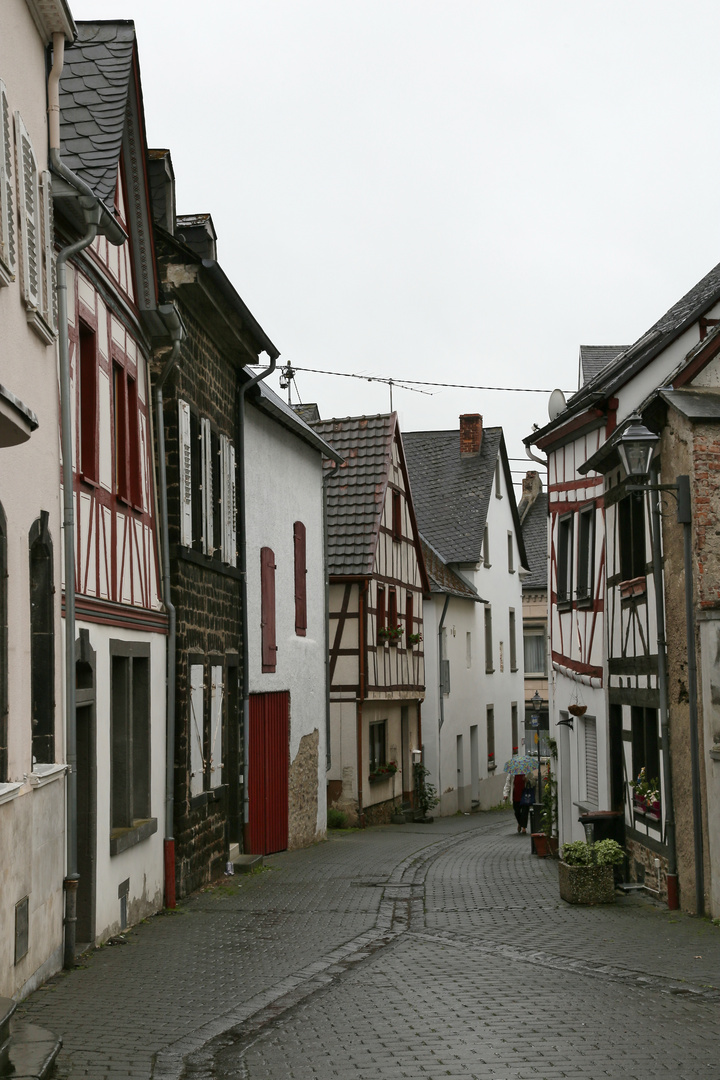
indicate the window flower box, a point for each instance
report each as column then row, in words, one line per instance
column 391, row 634
column 383, row 772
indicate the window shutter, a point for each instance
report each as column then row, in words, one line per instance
column 49, row 310
column 267, row 616
column 591, row 762
column 299, row 542
column 216, row 711
column 7, row 213
column 197, row 731
column 207, row 486
column 409, row 616
column 28, row 199
column 186, row 536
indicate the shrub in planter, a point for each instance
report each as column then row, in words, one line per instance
column 585, row 871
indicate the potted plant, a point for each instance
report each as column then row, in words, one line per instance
column 426, row 797
column 549, row 814
column 392, row 634
column 383, row 772
column 646, row 794
column 585, row 871
column 415, row 639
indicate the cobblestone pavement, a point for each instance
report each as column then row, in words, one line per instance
column 403, row 951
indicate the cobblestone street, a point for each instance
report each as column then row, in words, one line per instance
column 402, row 951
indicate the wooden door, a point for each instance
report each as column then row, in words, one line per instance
column 268, row 773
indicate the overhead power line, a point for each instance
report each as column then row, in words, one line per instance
column 423, row 382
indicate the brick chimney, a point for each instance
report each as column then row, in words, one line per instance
column 470, row 433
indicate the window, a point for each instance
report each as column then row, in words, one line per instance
column 35, row 234
column 645, row 742
column 393, row 612
column 631, row 536
column 3, row 652
column 380, row 609
column 535, row 653
column 42, row 642
column 490, row 722
column 513, row 641
column 300, row 579
column 498, row 489
column 128, row 476
column 565, row 559
column 208, row 505
column 511, row 553
column 267, row 617
column 397, row 515
column 486, row 547
column 586, row 534
column 129, row 733
column 378, row 739
column 468, row 649
column 489, row 668
column 514, row 726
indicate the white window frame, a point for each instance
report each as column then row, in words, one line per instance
column 216, row 712
column 197, row 729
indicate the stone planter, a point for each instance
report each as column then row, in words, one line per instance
column 586, row 884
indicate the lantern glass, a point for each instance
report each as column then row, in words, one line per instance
column 636, row 449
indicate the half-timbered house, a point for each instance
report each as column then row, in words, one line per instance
column 605, row 637
column 377, row 582
column 119, row 636
column 466, row 510
column 32, row 747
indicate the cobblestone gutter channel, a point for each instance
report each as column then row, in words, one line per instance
column 401, row 912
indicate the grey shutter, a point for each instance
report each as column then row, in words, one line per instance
column 216, row 711
column 229, row 513
column 186, row 536
column 28, row 206
column 48, row 252
column 591, row 762
column 207, row 485
column 7, row 206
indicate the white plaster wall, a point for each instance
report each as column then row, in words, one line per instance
column 283, row 484
column 31, row 825
column 143, row 863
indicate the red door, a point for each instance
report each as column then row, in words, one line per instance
column 268, row 773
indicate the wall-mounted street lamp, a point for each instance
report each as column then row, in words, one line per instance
column 636, row 447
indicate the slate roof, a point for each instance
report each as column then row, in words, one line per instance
column 443, row 579
column 535, row 536
column 451, row 493
column 703, row 296
column 593, row 358
column 94, row 90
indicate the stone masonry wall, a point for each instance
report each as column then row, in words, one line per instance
column 303, row 793
column 207, row 598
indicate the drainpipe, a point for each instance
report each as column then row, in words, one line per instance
column 328, row 476
column 242, row 551
column 673, row 901
column 441, row 720
column 177, row 333
column 93, row 213
column 362, row 604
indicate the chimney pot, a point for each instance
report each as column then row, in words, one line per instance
column 470, row 433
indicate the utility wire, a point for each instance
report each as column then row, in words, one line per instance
column 424, row 382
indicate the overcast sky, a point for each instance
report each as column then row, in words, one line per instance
column 461, row 191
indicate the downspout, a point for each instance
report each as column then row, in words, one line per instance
column 242, row 552
column 93, row 213
column 328, row 476
column 172, row 320
column 672, row 875
column 441, row 720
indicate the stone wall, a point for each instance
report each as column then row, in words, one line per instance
column 303, row 794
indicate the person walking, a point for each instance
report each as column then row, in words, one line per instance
column 522, row 798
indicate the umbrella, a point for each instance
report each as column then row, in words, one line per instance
column 521, row 765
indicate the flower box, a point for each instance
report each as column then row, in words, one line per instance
column 586, row 884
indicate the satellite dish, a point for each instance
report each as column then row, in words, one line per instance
column 557, row 404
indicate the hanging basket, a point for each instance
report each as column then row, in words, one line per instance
column 577, row 710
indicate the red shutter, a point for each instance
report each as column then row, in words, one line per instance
column 300, row 579
column 267, row 616
column 381, row 607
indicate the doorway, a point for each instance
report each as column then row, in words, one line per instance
column 269, row 753
column 86, row 748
